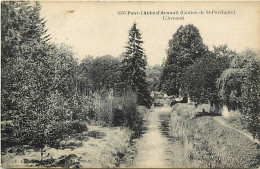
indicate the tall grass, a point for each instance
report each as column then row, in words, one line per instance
column 118, row 110
column 207, row 143
column 183, row 128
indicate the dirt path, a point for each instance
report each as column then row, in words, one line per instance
column 151, row 146
column 221, row 121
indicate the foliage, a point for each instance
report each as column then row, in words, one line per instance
column 200, row 78
column 153, row 76
column 118, row 110
column 39, row 84
column 99, row 74
column 78, row 126
column 185, row 47
column 202, row 144
column 24, row 72
column 21, row 26
column 134, row 66
column 44, row 89
column 239, row 88
column 219, row 77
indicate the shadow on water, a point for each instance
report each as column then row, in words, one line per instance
column 126, row 160
column 174, row 151
column 165, row 128
column 165, row 124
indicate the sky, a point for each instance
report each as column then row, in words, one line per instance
column 96, row 29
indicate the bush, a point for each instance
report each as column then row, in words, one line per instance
column 60, row 130
column 118, row 111
column 78, row 126
column 119, row 116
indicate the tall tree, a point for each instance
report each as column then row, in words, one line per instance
column 185, row 47
column 134, row 66
column 200, row 78
column 239, row 88
column 27, row 72
column 19, row 46
column 39, row 79
column 21, row 26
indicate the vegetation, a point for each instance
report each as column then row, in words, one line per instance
column 239, row 88
column 199, row 81
column 153, row 77
column 219, row 77
column 202, row 146
column 100, row 147
column 47, row 94
column 185, row 47
column 28, row 75
column 134, row 66
column 99, row 74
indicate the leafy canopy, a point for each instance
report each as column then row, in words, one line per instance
column 185, row 47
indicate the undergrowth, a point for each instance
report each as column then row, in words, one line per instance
column 208, row 143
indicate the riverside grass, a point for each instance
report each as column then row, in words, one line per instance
column 209, row 144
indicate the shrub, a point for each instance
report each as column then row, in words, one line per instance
column 118, row 111
column 119, row 116
column 78, row 126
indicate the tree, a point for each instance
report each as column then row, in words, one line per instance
column 134, row 66
column 39, row 79
column 200, row 78
column 65, row 70
column 21, row 26
column 153, row 76
column 239, row 88
column 185, row 47
column 27, row 72
column 101, row 73
column 19, row 46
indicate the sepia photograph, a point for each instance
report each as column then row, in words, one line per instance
column 130, row 84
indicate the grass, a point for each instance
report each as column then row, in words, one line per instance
column 207, row 143
column 98, row 147
column 115, row 122
column 116, row 111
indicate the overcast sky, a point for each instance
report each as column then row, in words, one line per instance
column 94, row 28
